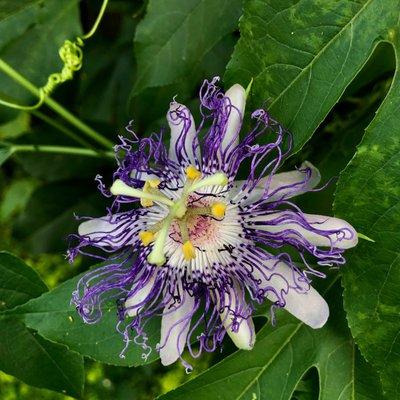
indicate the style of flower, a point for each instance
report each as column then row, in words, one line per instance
column 187, row 240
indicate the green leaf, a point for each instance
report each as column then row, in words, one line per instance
column 56, row 319
column 5, row 153
column 281, row 357
column 153, row 118
column 16, row 127
column 175, row 36
column 23, row 353
column 303, row 54
column 15, row 18
column 368, row 196
column 38, row 362
column 15, row 197
column 18, row 282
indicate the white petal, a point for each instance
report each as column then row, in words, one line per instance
column 96, row 229
column 175, row 326
column 234, row 302
column 237, row 97
column 306, row 304
column 134, row 302
column 278, row 186
column 343, row 235
column 178, row 126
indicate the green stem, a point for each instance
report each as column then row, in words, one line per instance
column 97, row 22
column 55, row 124
column 60, row 150
column 58, row 108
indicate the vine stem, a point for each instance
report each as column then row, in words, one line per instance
column 55, row 124
column 60, row 150
column 97, row 22
column 58, row 108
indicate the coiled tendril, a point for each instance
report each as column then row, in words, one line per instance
column 71, row 55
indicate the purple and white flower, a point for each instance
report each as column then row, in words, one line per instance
column 186, row 239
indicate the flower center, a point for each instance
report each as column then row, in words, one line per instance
column 186, row 218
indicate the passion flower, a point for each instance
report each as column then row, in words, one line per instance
column 185, row 239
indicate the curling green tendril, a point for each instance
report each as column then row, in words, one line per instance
column 71, row 55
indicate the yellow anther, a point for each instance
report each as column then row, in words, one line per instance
column 146, row 203
column 218, row 210
column 153, row 183
column 192, row 173
column 149, row 187
column 146, row 237
column 189, row 251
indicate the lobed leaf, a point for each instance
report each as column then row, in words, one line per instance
column 303, row 54
column 368, row 196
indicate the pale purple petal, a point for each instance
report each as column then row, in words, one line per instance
column 137, row 299
column 315, row 229
column 113, row 231
column 175, row 326
column 300, row 299
column 236, row 317
column 183, row 134
column 237, row 97
column 283, row 185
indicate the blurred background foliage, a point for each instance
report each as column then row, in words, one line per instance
column 40, row 193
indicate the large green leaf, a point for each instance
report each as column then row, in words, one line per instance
column 175, row 36
column 303, row 54
column 281, row 357
column 368, row 196
column 53, row 316
column 23, row 353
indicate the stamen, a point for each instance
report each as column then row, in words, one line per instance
column 192, row 173
column 120, row 188
column 157, row 255
column 150, row 186
column 218, row 210
column 189, row 251
column 219, row 178
column 146, row 237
